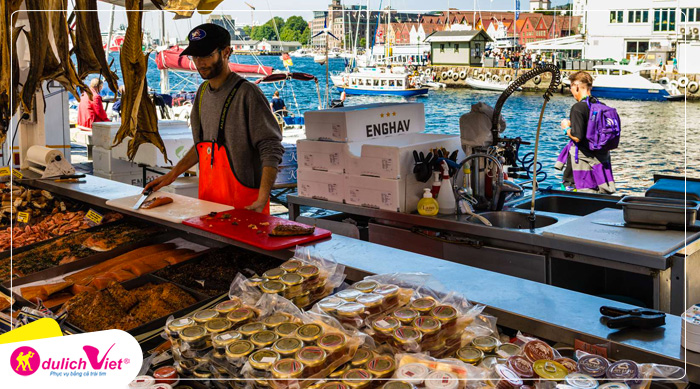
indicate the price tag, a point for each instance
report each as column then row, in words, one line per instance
column 5, row 171
column 17, row 174
column 94, row 217
column 23, row 217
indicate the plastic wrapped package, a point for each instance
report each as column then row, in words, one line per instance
column 421, row 370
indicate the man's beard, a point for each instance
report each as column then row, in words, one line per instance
column 213, row 71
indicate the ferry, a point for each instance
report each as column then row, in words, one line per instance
column 624, row 82
column 380, row 81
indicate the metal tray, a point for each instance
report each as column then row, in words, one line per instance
column 659, row 211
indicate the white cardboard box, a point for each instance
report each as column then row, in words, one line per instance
column 322, row 155
column 382, row 193
column 177, row 138
column 186, row 186
column 105, row 163
column 363, row 122
column 321, row 185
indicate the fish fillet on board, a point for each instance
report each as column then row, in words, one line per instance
column 139, row 118
column 88, row 49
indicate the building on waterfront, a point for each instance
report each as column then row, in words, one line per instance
column 244, row 45
column 459, row 48
column 225, row 21
column 540, row 4
column 265, row 46
column 651, row 30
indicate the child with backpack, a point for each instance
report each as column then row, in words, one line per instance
column 593, row 130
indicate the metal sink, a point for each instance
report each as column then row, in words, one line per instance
column 513, row 220
column 569, row 205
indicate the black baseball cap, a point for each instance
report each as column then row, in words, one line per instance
column 206, row 38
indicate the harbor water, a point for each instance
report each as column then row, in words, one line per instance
column 657, row 137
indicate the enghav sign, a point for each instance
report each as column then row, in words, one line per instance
column 110, row 359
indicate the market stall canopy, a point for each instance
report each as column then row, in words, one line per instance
column 574, row 42
column 171, row 59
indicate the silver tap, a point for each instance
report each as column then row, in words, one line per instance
column 500, row 187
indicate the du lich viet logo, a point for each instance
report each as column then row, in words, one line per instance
column 110, row 358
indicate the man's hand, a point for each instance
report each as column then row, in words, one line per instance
column 160, row 182
column 565, row 123
column 568, row 133
column 258, row 205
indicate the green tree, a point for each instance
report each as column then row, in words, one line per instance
column 305, row 36
column 296, row 23
column 289, row 35
column 246, row 30
column 264, row 32
column 363, row 42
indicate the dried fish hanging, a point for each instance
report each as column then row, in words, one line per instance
column 9, row 75
column 87, row 45
column 139, row 119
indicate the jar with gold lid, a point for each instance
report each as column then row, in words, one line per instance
column 255, row 281
column 218, row 325
column 261, row 383
column 186, row 367
column 447, row 315
column 303, row 300
column 361, row 357
column 221, row 340
column 310, row 273
column 240, row 316
column 338, row 373
column 224, row 307
column 365, row 286
column 407, row 338
column 261, row 361
column 309, row 333
column 334, row 344
column 406, row 315
column 177, row 325
column 313, row 358
column 287, row 371
column 286, row 329
column 272, row 287
column 203, row 316
column 384, row 327
column 330, row 304
column 202, row 374
column 373, row 302
column 287, row 347
column 274, row 320
column 423, row 305
column 195, row 337
column 349, row 295
column 250, row 329
column 333, row 385
column 430, row 330
column 487, row 344
column 274, row 274
column 398, row 385
column 350, row 314
column 390, row 293
column 291, row 265
column 382, row 366
column 238, row 351
column 293, row 283
column 470, row 355
column 264, row 338
column 357, row 378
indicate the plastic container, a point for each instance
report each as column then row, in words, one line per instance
column 441, row 380
column 428, row 206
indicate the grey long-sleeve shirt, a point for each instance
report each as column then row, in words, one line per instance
column 253, row 138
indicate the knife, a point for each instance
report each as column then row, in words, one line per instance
column 142, row 199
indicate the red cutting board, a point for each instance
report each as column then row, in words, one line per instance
column 242, row 232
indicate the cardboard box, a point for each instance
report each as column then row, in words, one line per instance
column 186, row 186
column 363, row 122
column 105, row 163
column 383, row 193
column 177, row 138
column 322, row 155
column 321, row 185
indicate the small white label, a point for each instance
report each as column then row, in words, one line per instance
column 268, row 360
column 226, row 336
column 503, row 354
column 383, row 324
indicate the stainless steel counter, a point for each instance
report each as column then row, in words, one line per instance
column 545, row 311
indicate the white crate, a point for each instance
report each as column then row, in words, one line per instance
column 177, row 138
column 363, row 122
column 135, row 179
column 105, row 163
column 321, row 185
column 322, row 155
column 383, row 193
column 185, row 186
column 103, row 133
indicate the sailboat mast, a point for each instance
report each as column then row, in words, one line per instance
column 327, row 78
column 164, row 77
column 109, row 33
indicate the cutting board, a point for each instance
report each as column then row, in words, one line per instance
column 181, row 208
column 643, row 241
column 242, row 231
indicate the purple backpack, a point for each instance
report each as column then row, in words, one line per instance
column 603, row 131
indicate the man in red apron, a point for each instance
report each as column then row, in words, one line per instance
column 238, row 143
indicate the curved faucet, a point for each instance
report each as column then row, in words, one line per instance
column 499, row 176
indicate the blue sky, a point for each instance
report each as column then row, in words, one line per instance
column 266, row 8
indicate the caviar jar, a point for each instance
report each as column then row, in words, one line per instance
column 349, row 295
column 272, row 287
column 238, row 351
column 487, row 344
column 373, row 302
column 366, row 286
column 205, row 315
column 286, row 371
column 357, row 378
column 310, row 273
column 350, row 314
column 286, row 329
column 261, row 361
column 271, row 322
column 509, row 349
column 223, row 308
column 218, row 325
column 240, row 316
column 334, row 344
column 406, row 315
column 166, row 375
column 470, row 355
column 430, row 330
column 250, row 329
column 414, row 373
column 390, row 293
column 333, row 385
column 330, row 304
column 381, row 366
column 302, row 300
column 177, row 325
column 309, row 333
column 264, row 339
column 221, row 340
column 338, row 373
column 536, row 349
column 287, row 347
column 274, row 274
column 397, row 385
column 361, row 357
column 291, row 265
column 313, row 358
column 195, row 337
column 293, row 283
column 423, row 305
column 255, row 281
column 447, row 315
column 384, row 327
column 407, row 338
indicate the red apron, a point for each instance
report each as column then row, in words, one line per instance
column 217, row 178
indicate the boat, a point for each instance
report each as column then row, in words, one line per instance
column 170, row 59
column 625, row 82
column 487, row 84
column 382, row 80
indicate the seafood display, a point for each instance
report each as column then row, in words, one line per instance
column 75, row 246
column 37, row 203
column 116, row 307
column 139, row 119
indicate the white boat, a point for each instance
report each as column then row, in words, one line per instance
column 301, row 53
column 393, row 81
column 625, row 82
column 320, row 59
column 487, row 84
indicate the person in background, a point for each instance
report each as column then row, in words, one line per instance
column 277, row 104
column 586, row 170
column 91, row 110
column 117, row 107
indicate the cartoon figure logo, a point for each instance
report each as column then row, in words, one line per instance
column 197, row 34
column 25, row 361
